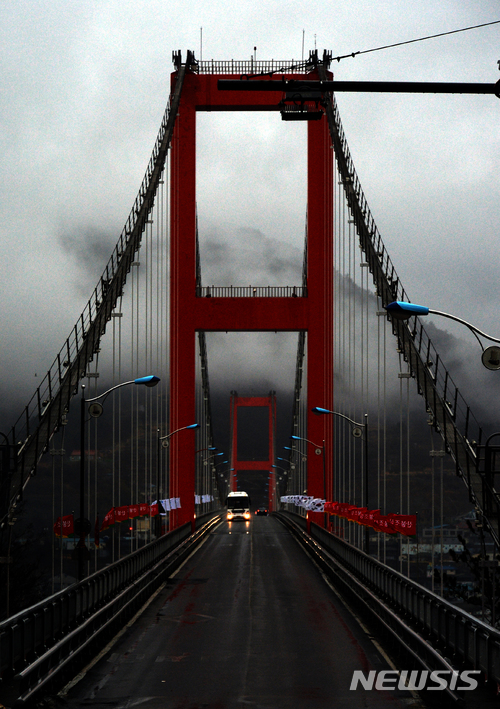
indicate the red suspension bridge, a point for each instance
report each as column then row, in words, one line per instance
column 150, row 318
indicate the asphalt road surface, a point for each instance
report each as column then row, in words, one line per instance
column 247, row 622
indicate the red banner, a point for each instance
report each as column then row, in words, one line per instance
column 384, row 525
column 388, row 524
column 133, row 511
column 343, row 509
column 359, row 515
column 404, row 524
column 126, row 512
column 121, row 513
column 67, row 526
column 108, row 520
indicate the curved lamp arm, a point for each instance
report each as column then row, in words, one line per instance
column 183, row 428
column 404, row 311
column 319, row 410
column 150, row 381
column 298, row 438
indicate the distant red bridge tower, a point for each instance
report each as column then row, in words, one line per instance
column 264, row 463
column 189, row 312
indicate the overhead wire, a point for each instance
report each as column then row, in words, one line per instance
column 412, row 41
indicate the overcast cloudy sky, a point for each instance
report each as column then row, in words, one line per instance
column 84, row 85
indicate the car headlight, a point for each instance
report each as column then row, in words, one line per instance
column 247, row 515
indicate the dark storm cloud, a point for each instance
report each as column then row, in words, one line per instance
column 83, row 89
column 246, row 256
column 88, row 247
column 479, row 386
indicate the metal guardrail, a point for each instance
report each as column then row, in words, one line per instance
column 44, row 645
column 417, row 616
column 251, row 292
column 251, row 66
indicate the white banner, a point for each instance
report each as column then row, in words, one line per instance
column 315, row 504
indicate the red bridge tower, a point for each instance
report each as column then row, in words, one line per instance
column 189, row 313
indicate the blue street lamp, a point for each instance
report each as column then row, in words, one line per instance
column 319, row 450
column 227, row 470
column 165, row 440
column 299, row 454
column 401, row 310
column 210, row 448
column 318, row 447
column 95, row 410
column 357, row 433
column 215, row 455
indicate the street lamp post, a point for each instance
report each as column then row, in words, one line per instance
column 165, row 442
column 205, row 469
column 357, row 433
column 221, row 480
column 286, row 472
column 320, row 450
column 294, row 450
column 95, row 410
column 279, row 467
column 401, row 310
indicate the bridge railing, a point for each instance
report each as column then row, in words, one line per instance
column 448, row 628
column 434, row 621
column 37, row 642
column 248, row 66
column 251, row 292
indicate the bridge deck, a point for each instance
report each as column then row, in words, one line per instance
column 247, row 621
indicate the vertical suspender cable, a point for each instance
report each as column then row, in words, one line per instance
column 53, row 545
column 133, row 369
column 441, row 539
column 408, row 463
column 119, row 392
column 379, row 477
column 62, row 503
column 346, row 492
column 145, row 366
column 137, row 393
column 400, row 463
column 362, row 353
column 433, row 517
column 384, row 456
column 93, row 516
column 113, row 434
